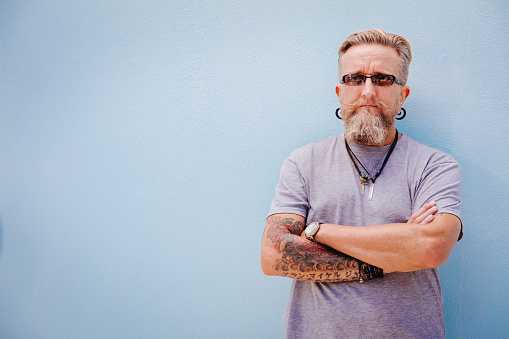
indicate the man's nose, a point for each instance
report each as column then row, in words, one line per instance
column 368, row 89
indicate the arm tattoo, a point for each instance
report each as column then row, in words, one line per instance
column 302, row 259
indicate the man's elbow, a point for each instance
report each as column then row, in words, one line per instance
column 438, row 242
column 266, row 269
column 266, row 262
column 433, row 260
column 436, row 253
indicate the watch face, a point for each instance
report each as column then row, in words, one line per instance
column 311, row 229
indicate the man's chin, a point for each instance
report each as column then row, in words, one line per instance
column 366, row 131
column 366, row 138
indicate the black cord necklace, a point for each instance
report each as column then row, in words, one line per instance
column 364, row 178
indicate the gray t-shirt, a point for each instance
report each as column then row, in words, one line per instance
column 319, row 182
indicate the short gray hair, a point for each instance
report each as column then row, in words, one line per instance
column 381, row 37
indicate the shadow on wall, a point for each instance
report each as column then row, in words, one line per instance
column 1, row 237
column 485, row 243
column 475, row 275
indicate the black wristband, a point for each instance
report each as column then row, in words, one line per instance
column 369, row 272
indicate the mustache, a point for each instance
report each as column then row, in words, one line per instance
column 380, row 105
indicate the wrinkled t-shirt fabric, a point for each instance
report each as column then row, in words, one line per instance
column 319, row 182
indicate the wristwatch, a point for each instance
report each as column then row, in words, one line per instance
column 311, row 230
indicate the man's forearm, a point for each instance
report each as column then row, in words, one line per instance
column 385, row 246
column 395, row 247
column 285, row 253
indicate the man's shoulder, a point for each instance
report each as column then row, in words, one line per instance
column 421, row 150
column 318, row 147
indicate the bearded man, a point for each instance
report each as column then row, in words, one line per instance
column 362, row 220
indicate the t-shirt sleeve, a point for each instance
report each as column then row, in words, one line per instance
column 290, row 196
column 440, row 182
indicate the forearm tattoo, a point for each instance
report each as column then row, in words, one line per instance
column 302, row 259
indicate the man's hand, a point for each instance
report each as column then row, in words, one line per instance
column 425, row 214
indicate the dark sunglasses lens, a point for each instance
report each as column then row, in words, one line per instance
column 354, row 79
column 382, row 79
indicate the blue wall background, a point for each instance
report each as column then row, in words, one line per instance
column 141, row 141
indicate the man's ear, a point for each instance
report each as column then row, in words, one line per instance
column 405, row 92
column 338, row 90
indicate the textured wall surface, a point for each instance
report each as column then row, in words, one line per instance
column 141, row 141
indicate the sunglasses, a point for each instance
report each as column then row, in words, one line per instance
column 377, row 79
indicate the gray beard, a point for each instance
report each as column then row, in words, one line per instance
column 371, row 129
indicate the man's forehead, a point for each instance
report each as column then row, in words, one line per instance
column 370, row 57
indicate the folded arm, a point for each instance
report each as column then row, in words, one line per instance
column 285, row 253
column 397, row 247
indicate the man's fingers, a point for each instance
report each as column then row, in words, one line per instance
column 428, row 219
column 421, row 215
column 421, row 210
column 421, row 219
